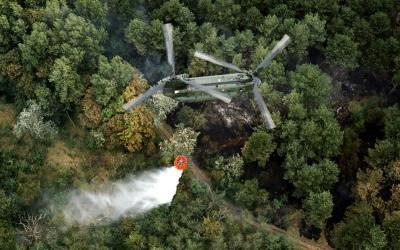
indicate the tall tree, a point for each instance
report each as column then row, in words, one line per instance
column 173, row 11
column 391, row 227
column 342, row 51
column 182, row 142
column 161, row 106
column 66, row 80
column 259, row 147
column 227, row 171
column 111, row 79
column 93, row 10
column 31, row 121
column 12, row 24
column 318, row 208
column 359, row 230
column 312, row 84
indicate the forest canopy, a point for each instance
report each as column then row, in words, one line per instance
column 328, row 174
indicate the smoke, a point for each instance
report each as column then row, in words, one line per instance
column 154, row 68
column 126, row 198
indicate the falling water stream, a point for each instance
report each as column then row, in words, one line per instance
column 125, row 198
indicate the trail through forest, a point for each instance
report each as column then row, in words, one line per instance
column 240, row 213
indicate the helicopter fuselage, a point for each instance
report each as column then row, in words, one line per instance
column 231, row 84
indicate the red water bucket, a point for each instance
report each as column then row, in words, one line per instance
column 180, row 162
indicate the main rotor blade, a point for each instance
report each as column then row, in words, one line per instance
column 274, row 52
column 265, row 114
column 217, row 61
column 215, row 93
column 169, row 45
column 138, row 100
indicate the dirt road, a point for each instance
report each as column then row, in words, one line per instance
column 239, row 212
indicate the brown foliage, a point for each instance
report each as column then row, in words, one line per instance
column 26, row 84
column 134, row 130
column 112, row 128
column 139, row 129
column 91, row 110
column 135, row 87
column 33, row 16
column 368, row 187
column 394, row 171
column 9, row 64
column 211, row 229
column 28, row 187
column 395, row 199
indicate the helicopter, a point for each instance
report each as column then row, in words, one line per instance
column 223, row 87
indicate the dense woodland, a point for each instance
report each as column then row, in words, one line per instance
column 330, row 171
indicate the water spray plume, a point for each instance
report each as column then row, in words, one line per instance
column 127, row 198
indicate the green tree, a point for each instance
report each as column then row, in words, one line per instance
column 268, row 25
column 7, row 235
column 225, row 13
column 312, row 178
column 261, row 239
column 146, row 37
column 379, row 53
column 173, row 11
column 209, row 44
column 391, row 227
column 311, row 135
column 386, row 151
column 259, row 147
column 300, row 40
column 161, row 106
column 321, row 135
column 359, row 229
column 342, row 51
column 274, row 74
column 191, row 118
column 34, row 48
column 12, row 24
column 93, row 10
column 380, row 23
column 182, row 142
column 316, row 25
column 55, row 9
column 6, row 206
column 93, row 237
column 318, row 208
column 135, row 241
column 135, row 129
column 311, row 141
column 77, row 39
column 316, row 138
column 312, row 84
column 66, row 81
column 227, row 171
column 363, row 33
column 283, row 10
column 137, row 34
column 111, row 79
column 330, row 7
column 250, row 196
column 252, row 18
